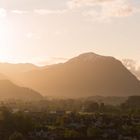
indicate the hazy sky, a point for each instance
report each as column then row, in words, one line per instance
column 47, row 31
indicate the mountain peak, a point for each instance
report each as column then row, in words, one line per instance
column 89, row 57
column 89, row 54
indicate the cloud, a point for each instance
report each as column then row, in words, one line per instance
column 96, row 10
column 47, row 11
column 3, row 13
column 20, row 12
column 104, row 10
column 133, row 66
column 82, row 3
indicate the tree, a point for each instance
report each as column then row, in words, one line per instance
column 133, row 102
column 102, row 107
column 16, row 136
column 71, row 134
column 91, row 106
column 23, row 123
column 93, row 132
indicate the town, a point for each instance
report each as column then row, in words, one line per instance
column 70, row 120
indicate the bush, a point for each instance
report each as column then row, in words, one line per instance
column 16, row 136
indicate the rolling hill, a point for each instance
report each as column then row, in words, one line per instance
column 8, row 90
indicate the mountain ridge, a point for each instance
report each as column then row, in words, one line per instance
column 85, row 75
column 9, row 91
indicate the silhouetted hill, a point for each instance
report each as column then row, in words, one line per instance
column 3, row 77
column 88, row 74
column 12, row 70
column 8, row 90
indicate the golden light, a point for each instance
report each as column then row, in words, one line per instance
column 3, row 40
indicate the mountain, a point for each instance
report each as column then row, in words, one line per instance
column 3, row 77
column 88, row 74
column 8, row 90
column 11, row 70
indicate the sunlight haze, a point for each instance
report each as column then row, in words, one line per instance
column 38, row 30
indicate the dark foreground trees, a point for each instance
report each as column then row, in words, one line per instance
column 16, row 136
column 90, row 121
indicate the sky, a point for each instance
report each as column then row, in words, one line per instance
column 49, row 31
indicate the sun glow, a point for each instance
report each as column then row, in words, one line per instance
column 3, row 33
column 6, row 35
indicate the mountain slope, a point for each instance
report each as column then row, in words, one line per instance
column 3, row 77
column 86, row 75
column 11, row 70
column 8, row 90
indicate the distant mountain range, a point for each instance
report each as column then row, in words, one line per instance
column 8, row 90
column 13, row 70
column 86, row 75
